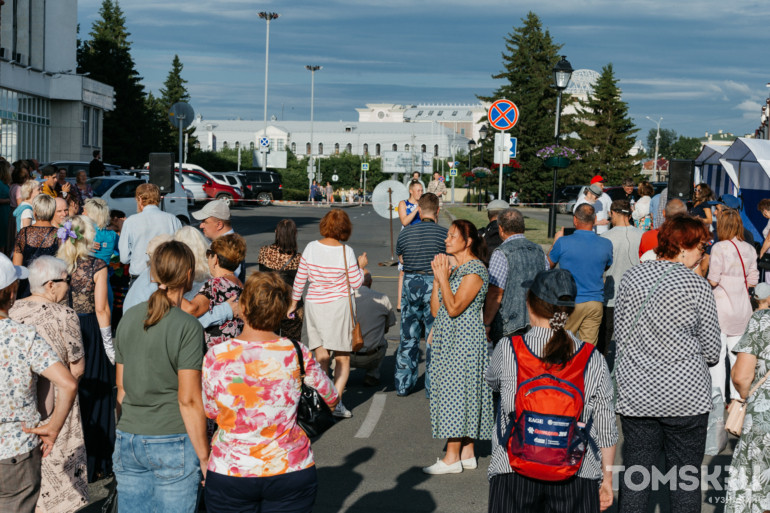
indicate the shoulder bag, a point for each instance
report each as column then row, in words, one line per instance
column 736, row 412
column 358, row 336
column 313, row 414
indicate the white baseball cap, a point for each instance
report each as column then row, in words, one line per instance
column 762, row 291
column 9, row 273
column 216, row 208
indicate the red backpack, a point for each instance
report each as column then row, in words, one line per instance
column 547, row 440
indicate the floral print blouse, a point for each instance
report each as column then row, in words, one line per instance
column 23, row 355
column 252, row 390
column 218, row 291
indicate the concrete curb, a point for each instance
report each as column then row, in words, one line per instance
column 287, row 203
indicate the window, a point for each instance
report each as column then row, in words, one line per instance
column 422, row 148
column 86, row 125
column 377, row 149
column 406, row 147
column 435, row 150
column 349, row 148
column 126, row 189
column 366, row 149
column 225, row 145
column 430, row 113
column 251, row 145
column 294, row 148
column 454, row 113
column 419, row 113
column 95, row 128
column 395, row 147
column 320, row 148
column 468, row 113
column 237, row 144
column 307, row 149
column 336, row 148
column 194, row 178
column 462, row 131
column 439, row 113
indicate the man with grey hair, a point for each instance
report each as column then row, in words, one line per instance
column 586, row 256
column 515, row 261
column 376, row 315
column 490, row 233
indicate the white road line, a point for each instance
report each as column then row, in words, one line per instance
column 372, row 417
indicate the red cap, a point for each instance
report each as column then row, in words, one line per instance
column 597, row 178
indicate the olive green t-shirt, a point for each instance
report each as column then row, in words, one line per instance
column 151, row 360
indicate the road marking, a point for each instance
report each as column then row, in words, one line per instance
column 372, row 417
column 385, row 277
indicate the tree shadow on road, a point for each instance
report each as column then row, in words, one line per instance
column 403, row 497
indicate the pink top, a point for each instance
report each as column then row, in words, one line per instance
column 252, row 390
column 730, row 294
column 14, row 192
column 323, row 268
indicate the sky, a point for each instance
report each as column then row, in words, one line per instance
column 701, row 66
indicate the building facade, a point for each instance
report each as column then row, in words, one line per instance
column 47, row 111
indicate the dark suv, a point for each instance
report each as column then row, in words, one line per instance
column 264, row 186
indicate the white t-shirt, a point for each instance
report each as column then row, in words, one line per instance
column 602, row 211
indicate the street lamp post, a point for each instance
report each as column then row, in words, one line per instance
column 482, row 136
column 657, row 142
column 562, row 72
column 267, row 16
column 310, row 167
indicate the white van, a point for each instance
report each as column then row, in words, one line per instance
column 119, row 193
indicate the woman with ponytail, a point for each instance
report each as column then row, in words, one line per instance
column 460, row 401
column 550, row 301
column 161, row 448
column 88, row 297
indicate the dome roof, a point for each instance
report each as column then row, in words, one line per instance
column 582, row 82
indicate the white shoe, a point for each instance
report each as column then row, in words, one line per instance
column 469, row 464
column 341, row 412
column 442, row 468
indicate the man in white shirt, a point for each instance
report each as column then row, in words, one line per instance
column 215, row 222
column 139, row 228
column 375, row 313
column 593, row 196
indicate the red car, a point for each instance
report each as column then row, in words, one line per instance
column 217, row 190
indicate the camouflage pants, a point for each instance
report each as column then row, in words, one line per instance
column 415, row 315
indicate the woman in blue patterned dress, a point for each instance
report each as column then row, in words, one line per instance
column 460, row 400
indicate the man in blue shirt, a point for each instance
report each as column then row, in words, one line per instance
column 586, row 255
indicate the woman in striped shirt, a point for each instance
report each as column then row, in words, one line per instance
column 326, row 267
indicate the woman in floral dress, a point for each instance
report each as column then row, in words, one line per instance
column 748, row 488
column 226, row 254
column 460, row 400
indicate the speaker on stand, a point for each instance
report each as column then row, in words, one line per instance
column 681, row 174
column 162, row 174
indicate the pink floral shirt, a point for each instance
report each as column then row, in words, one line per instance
column 252, row 390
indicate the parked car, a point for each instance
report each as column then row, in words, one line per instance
column 265, row 186
column 119, row 193
column 73, row 166
column 233, row 179
column 566, row 198
column 194, row 183
column 215, row 189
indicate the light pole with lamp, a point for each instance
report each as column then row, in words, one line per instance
column 657, row 142
column 311, row 167
column 482, row 136
column 267, row 16
column 562, row 73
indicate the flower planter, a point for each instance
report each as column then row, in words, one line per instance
column 560, row 162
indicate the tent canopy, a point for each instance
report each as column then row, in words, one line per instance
column 709, row 170
column 747, row 163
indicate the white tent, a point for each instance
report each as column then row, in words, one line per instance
column 747, row 163
column 709, row 170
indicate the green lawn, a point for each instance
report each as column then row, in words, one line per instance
column 537, row 230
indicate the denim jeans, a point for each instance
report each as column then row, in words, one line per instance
column 156, row 473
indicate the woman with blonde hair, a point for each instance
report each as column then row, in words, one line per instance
column 198, row 244
column 23, row 211
column 38, row 239
column 105, row 241
column 162, row 451
column 88, row 297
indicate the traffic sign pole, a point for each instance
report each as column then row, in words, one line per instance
column 503, row 115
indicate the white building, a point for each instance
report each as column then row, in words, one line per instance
column 47, row 111
column 332, row 137
column 464, row 119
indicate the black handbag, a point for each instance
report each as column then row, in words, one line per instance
column 764, row 262
column 313, row 415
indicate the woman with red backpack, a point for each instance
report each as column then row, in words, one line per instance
column 555, row 432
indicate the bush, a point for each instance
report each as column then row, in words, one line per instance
column 294, row 194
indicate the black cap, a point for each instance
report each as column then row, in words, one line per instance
column 551, row 285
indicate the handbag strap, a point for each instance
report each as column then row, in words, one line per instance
column 287, row 262
column 350, row 289
column 745, row 278
column 759, row 384
column 300, row 359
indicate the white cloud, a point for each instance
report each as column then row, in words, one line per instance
column 750, row 106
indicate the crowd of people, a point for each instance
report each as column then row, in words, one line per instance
column 159, row 361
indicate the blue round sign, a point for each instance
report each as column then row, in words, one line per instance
column 264, row 142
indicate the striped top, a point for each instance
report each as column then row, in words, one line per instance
column 501, row 377
column 322, row 268
column 418, row 244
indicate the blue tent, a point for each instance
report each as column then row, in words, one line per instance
column 709, row 170
column 747, row 163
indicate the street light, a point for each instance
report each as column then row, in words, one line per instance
column 482, row 136
column 310, row 168
column 267, row 16
column 562, row 72
column 657, row 142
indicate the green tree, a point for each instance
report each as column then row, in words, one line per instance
column 528, row 60
column 175, row 90
column 667, row 139
column 606, row 133
column 106, row 57
column 686, row 148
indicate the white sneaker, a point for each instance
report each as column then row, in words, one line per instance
column 442, row 468
column 341, row 412
column 469, row 463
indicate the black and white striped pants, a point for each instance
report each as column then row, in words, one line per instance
column 514, row 492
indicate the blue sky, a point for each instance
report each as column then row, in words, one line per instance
column 700, row 65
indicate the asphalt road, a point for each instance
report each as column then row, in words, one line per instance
column 372, row 462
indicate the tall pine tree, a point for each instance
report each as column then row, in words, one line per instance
column 606, row 133
column 106, row 57
column 527, row 81
column 174, row 90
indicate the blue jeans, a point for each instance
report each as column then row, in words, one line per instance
column 415, row 314
column 156, row 473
